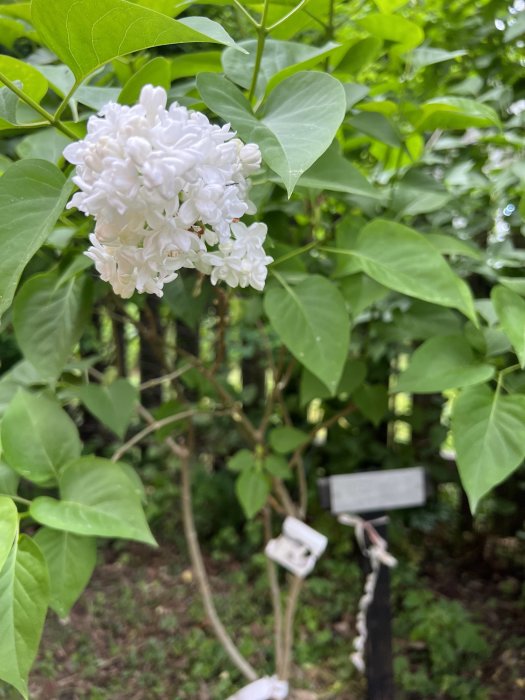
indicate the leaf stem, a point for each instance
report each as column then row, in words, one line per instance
column 293, row 253
column 287, row 16
column 38, row 108
column 17, row 499
column 65, row 101
column 245, row 12
column 262, row 31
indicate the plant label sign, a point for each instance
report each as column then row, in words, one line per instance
column 374, row 491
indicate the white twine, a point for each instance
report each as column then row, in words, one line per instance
column 377, row 553
column 267, row 688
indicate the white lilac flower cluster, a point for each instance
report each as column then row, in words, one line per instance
column 167, row 189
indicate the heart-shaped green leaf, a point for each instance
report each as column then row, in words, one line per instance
column 86, row 34
column 97, row 499
column 316, row 101
column 113, row 405
column 488, row 429
column 24, row 595
column 70, row 561
column 38, row 437
column 312, row 321
column 33, row 194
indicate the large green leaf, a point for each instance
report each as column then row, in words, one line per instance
column 443, row 362
column 456, row 113
column 287, row 439
column 97, row 499
column 280, row 60
column 70, row 560
column 378, row 127
column 510, row 308
column 154, row 72
column 316, row 101
column 393, row 28
column 47, row 144
column 85, row 34
column 402, row 259
column 8, row 527
column 38, row 437
column 9, row 479
column 489, row 437
column 49, row 318
column 33, row 194
column 24, row 595
column 353, row 376
column 312, row 321
column 428, row 56
column 28, row 78
column 113, row 405
column 334, row 172
column 252, row 488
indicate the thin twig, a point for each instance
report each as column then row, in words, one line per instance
column 164, row 378
column 151, row 428
column 276, row 596
column 289, row 618
column 197, row 561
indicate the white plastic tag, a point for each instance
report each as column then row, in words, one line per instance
column 263, row 689
column 298, row 548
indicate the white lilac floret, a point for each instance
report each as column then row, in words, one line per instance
column 167, row 189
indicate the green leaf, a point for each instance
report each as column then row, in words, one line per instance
column 361, row 291
column 372, row 401
column 97, row 499
column 154, row 72
column 8, row 527
column 456, row 113
column 114, row 404
column 510, row 308
column 393, row 28
column 443, row 362
column 188, row 299
column 354, row 94
column 33, row 194
column 315, row 100
column 24, row 595
column 428, row 56
column 311, row 320
column 354, row 374
column 47, row 144
column 378, row 127
column 241, row 460
column 280, row 60
column 191, row 64
column 28, row 78
column 252, row 488
column 70, row 561
column 277, row 466
column 21, row 375
column 38, row 437
column 334, row 172
column 402, row 259
column 49, row 318
column 488, row 429
column 360, row 55
column 449, row 245
column 9, row 479
column 287, row 439
column 86, row 34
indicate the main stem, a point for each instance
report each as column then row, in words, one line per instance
column 261, row 40
column 200, row 574
column 38, row 108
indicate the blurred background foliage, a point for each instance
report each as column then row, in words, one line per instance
column 435, row 123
